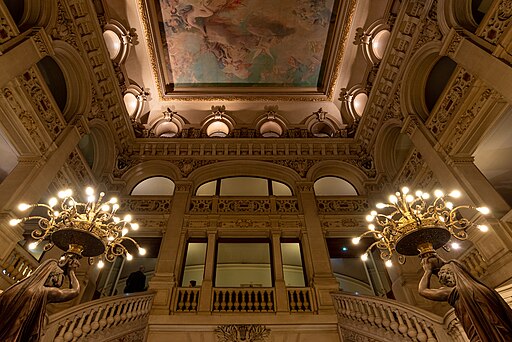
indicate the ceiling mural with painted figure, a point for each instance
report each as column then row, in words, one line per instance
column 210, row 43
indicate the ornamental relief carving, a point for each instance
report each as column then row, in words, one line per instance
column 429, row 29
column 82, row 172
column 244, row 206
column 352, row 336
column 343, row 222
column 64, row 29
column 26, row 120
column 244, row 223
column 342, row 206
column 465, row 120
column 286, row 206
column 6, row 31
column 411, row 169
column 204, row 206
column 242, row 333
column 498, row 22
column 152, row 206
column 458, row 91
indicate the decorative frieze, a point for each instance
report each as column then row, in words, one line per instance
column 145, row 205
column 241, row 206
column 342, row 206
column 498, row 21
column 287, row 206
column 410, row 170
column 343, row 223
column 242, row 332
column 458, row 90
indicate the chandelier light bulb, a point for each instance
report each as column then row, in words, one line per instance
column 371, row 226
column 52, row 202
column 14, row 222
column 128, row 218
column 135, row 226
column 388, row 263
column 425, row 195
column 419, row 193
column 32, row 246
column 101, row 264
column 105, row 207
column 56, row 213
column 116, row 219
column 142, row 251
column 449, row 205
column 129, row 256
column 455, row 194
column 409, row 198
column 393, row 199
column 115, row 207
column 380, row 205
column 438, row 193
column 356, row 240
column 455, row 245
column 373, row 213
column 113, row 200
column 71, row 203
column 124, row 231
column 23, row 206
column 61, row 194
column 369, row 218
column 483, row 228
column 483, row 210
column 91, row 199
column 89, row 191
column 68, row 193
column 364, row 257
column 405, row 190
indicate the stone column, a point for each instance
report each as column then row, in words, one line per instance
column 20, row 53
column 205, row 298
column 479, row 62
column 322, row 278
column 279, row 284
column 164, row 281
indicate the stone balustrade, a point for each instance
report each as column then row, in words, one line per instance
column 117, row 316
column 243, row 299
column 388, row 320
column 18, row 265
column 300, row 299
column 187, row 299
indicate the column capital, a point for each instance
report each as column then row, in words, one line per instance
column 305, row 186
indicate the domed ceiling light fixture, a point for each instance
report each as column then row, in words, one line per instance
column 219, row 124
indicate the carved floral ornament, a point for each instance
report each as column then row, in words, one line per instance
column 242, row 332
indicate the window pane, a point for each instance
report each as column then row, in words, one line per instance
column 244, row 186
column 280, row 189
column 207, row 189
column 292, row 264
column 334, row 186
column 194, row 264
column 154, row 186
column 243, row 265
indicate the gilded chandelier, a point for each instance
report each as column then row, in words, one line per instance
column 89, row 229
column 409, row 225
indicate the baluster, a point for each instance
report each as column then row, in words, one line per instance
column 230, row 300
column 411, row 331
column 216, row 303
column 364, row 314
column 103, row 321
column 345, row 310
column 68, row 335
column 352, row 312
column 77, row 332
column 111, row 314
column 307, row 301
column 394, row 324
column 117, row 316
column 129, row 313
column 421, row 335
column 123, row 312
column 62, row 331
column 385, row 319
column 430, row 336
column 270, row 300
column 402, row 327
column 378, row 316
column 86, row 328
column 95, row 325
column 369, row 309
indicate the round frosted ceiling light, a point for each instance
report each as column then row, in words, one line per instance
column 113, row 43
column 131, row 103
column 360, row 101
column 167, row 129
column 271, row 129
column 379, row 43
column 217, row 129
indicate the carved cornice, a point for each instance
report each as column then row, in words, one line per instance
column 242, row 333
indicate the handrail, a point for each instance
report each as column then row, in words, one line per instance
column 384, row 320
column 110, row 316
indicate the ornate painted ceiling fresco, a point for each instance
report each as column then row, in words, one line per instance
column 228, row 44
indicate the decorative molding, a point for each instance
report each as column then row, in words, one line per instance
column 498, row 21
column 152, row 206
column 241, row 206
column 342, row 206
column 242, row 333
column 429, row 29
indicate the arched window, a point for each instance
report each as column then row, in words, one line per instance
column 334, row 186
column 154, row 186
column 243, row 186
column 86, row 145
column 437, row 80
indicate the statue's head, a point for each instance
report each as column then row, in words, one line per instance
column 446, row 276
column 56, row 278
